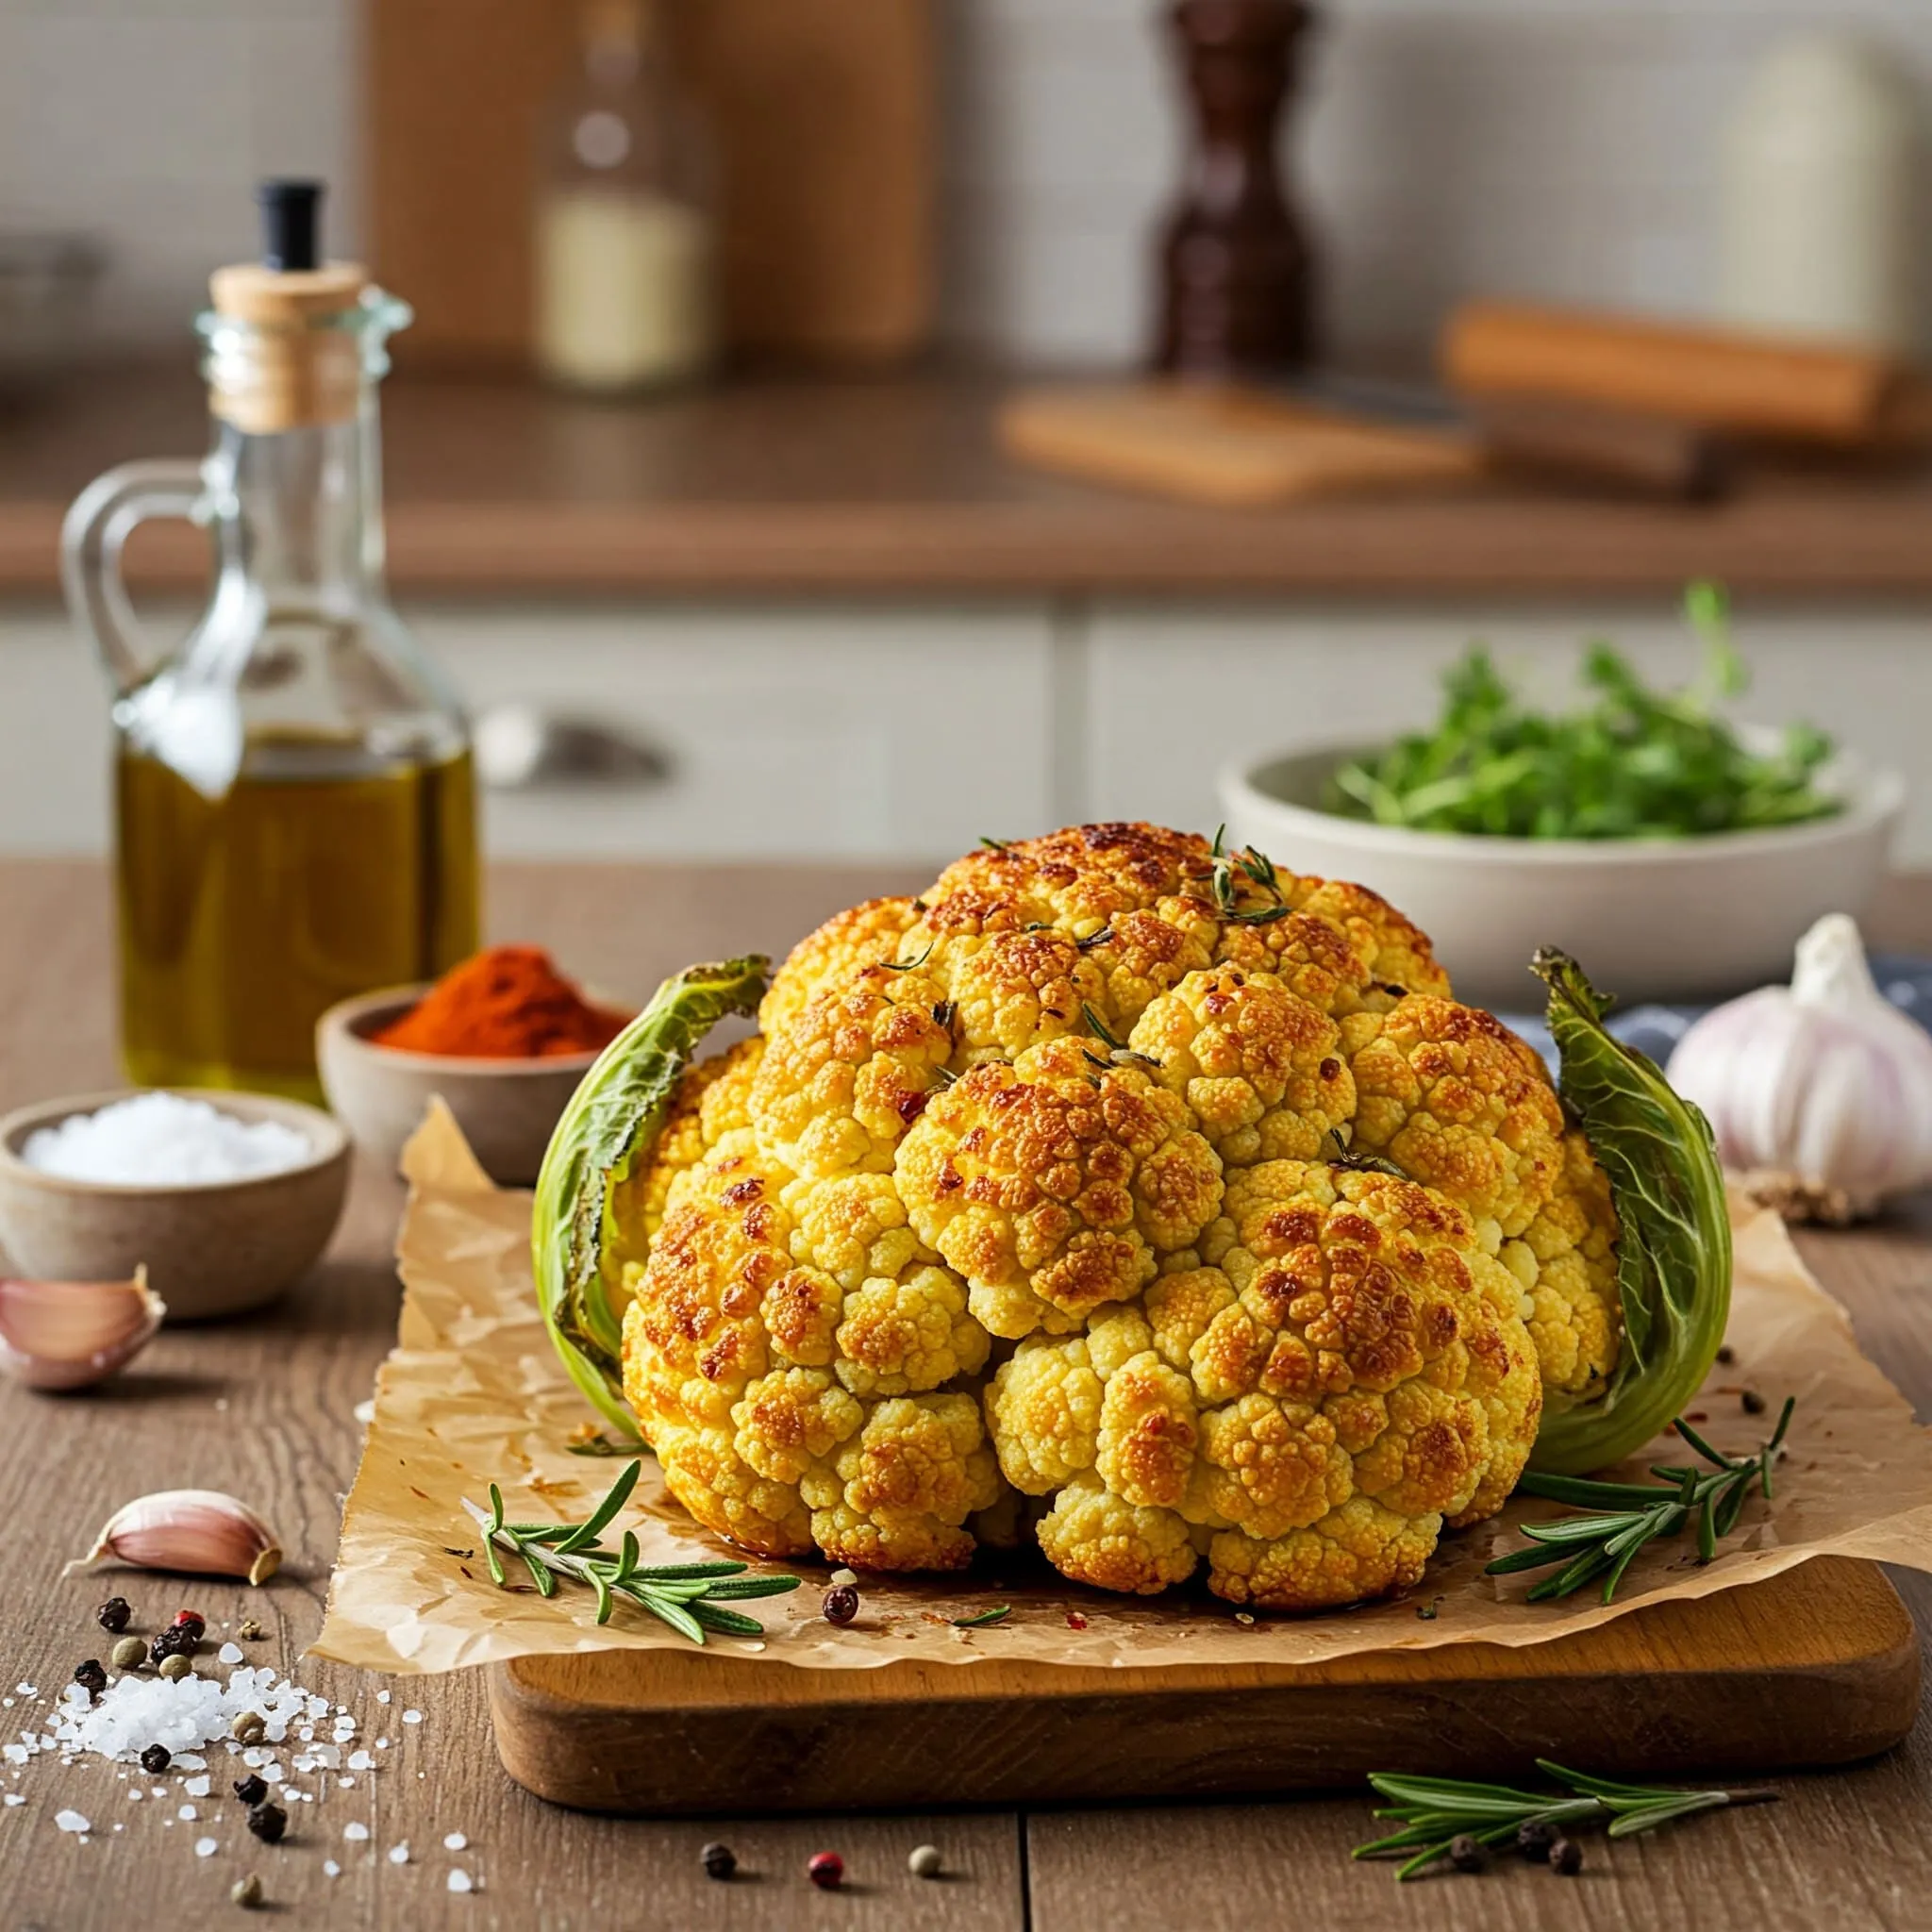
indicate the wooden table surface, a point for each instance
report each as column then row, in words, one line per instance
column 266, row 1408
column 896, row 486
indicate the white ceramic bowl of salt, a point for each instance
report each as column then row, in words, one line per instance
column 223, row 1220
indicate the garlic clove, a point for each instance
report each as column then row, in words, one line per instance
column 74, row 1334
column 195, row 1532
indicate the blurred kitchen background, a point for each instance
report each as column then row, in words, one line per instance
column 808, row 603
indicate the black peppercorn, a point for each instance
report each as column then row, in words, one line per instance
column 840, row 1604
column 1754, row 1403
column 1533, row 1838
column 156, row 1759
column 177, row 1640
column 268, row 1822
column 1726, row 1355
column 720, row 1861
column 1566, row 1856
column 251, row 1790
column 113, row 1614
column 90, row 1677
column 1466, row 1855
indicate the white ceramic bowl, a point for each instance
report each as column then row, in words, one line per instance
column 1648, row 919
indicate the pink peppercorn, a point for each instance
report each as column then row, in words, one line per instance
column 827, row 1869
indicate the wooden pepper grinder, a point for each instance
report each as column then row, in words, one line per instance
column 1237, row 294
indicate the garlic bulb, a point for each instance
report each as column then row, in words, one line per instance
column 1818, row 1092
column 73, row 1334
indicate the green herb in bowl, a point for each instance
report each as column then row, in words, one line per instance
column 1629, row 763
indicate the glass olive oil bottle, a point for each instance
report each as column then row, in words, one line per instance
column 295, row 808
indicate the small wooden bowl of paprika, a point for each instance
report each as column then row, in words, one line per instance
column 503, row 1039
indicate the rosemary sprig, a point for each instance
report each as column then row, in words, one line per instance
column 998, row 1614
column 1434, row 1812
column 1625, row 1516
column 691, row 1597
column 594, row 1442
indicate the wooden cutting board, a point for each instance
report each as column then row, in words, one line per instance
column 1818, row 1666
column 824, row 113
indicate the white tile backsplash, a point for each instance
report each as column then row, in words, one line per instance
column 1552, row 148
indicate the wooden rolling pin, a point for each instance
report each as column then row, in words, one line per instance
column 1750, row 385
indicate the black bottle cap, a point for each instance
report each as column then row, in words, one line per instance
column 290, row 223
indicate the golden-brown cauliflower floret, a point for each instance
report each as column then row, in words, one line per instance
column 1055, row 1185
column 726, row 1495
column 712, row 1099
column 1257, row 1067
column 1347, row 1360
column 1567, row 1260
column 1011, row 990
column 853, row 1228
column 1079, row 878
column 906, row 1485
column 1310, row 955
column 1458, row 1103
column 1400, row 957
column 839, row 1085
column 831, row 959
column 907, row 1334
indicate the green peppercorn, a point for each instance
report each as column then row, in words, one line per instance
column 249, row 1727
column 175, row 1667
column 925, row 1861
column 246, row 1892
column 128, row 1654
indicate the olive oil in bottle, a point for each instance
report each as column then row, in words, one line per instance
column 323, row 872
column 296, row 817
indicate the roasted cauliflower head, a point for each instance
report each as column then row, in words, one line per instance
column 1136, row 1193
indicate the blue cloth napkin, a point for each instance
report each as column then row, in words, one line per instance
column 1655, row 1030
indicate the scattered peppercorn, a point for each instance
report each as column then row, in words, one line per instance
column 720, row 1860
column 925, row 1861
column 840, row 1606
column 193, row 1621
column 1533, row 1838
column 177, row 1640
column 128, row 1654
column 90, row 1677
column 156, row 1759
column 246, row 1892
column 1728, row 1355
column 250, row 1631
column 1754, row 1403
column 249, row 1727
column 268, row 1822
column 827, row 1869
column 1465, row 1854
column 1566, row 1857
column 113, row 1614
column 251, row 1790
column 175, row 1667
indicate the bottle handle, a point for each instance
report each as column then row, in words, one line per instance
column 91, row 539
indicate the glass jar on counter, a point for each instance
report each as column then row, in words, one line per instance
column 294, row 817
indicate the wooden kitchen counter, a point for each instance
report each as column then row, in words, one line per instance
column 266, row 1408
column 894, row 486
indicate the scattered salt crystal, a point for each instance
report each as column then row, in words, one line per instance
column 27, row 1691
column 355, row 1831
column 364, row 1412
column 454, row 1842
column 161, row 1139
column 273, row 1774
column 134, row 1794
column 159, row 1792
column 16, row 1754
column 399, row 1854
column 345, row 1783
column 382, row 1743
column 412, row 1717
column 459, row 1880
column 187, row 1814
column 382, row 1696
column 331, row 1869
column 14, row 1798
column 206, row 1847
column 229, row 1654
column 360, row 1761
column 196, row 1787
column 71, row 1821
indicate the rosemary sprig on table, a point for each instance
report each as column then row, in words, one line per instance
column 1627, row 1516
column 1434, row 1812
column 691, row 1597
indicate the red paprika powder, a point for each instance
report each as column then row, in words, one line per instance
column 507, row 1003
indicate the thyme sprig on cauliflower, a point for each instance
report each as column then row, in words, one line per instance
column 1120, row 1194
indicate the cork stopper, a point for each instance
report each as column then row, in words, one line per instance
column 292, row 370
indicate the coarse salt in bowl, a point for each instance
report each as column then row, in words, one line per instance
column 160, row 1140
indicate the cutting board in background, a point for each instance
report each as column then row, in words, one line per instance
column 1819, row 1665
column 825, row 114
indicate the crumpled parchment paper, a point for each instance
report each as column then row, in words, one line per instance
column 474, row 1392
